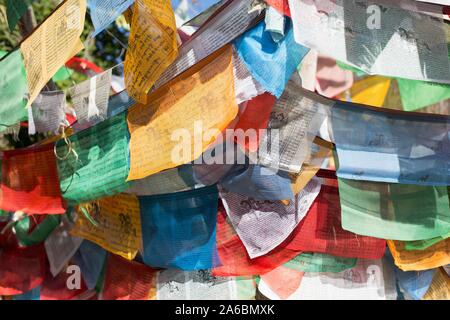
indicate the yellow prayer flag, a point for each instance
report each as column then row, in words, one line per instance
column 309, row 169
column 371, row 91
column 440, row 286
column 152, row 46
column 183, row 117
column 118, row 227
column 432, row 257
column 54, row 42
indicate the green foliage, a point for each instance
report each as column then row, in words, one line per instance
column 8, row 40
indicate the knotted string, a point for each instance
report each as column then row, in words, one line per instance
column 18, row 215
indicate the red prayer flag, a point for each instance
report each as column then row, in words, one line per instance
column 30, row 181
column 233, row 255
column 57, row 288
column 321, row 231
column 127, row 280
column 83, row 66
column 255, row 117
column 21, row 269
column 281, row 6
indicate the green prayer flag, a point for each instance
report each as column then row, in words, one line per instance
column 39, row 234
column 62, row 74
column 245, row 288
column 394, row 211
column 419, row 94
column 320, row 262
column 424, row 244
column 96, row 162
column 15, row 9
column 13, row 90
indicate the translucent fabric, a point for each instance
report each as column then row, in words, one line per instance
column 321, row 231
column 370, row 90
column 281, row 5
column 440, row 287
column 381, row 145
column 60, row 246
column 435, row 256
column 280, row 283
column 217, row 161
column 90, row 258
column 21, row 269
column 319, row 154
column 179, row 229
column 30, row 181
column 152, row 46
column 275, row 21
column 96, row 163
column 202, row 285
column 245, row 86
column 270, row 63
column 388, row 41
column 117, row 225
column 234, row 19
column 423, row 244
column 394, row 211
column 90, row 98
column 209, row 85
column 330, row 79
column 414, row 283
column 368, row 280
column 255, row 117
column 194, row 175
column 258, row 182
column 47, row 112
column 13, row 90
column 168, row 181
column 295, row 120
column 119, row 103
column 233, row 255
column 52, row 44
column 104, row 13
column 263, row 225
column 419, row 94
column 127, row 280
column 320, row 262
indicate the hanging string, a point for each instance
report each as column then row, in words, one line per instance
column 69, row 146
column 125, row 47
column 18, row 216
